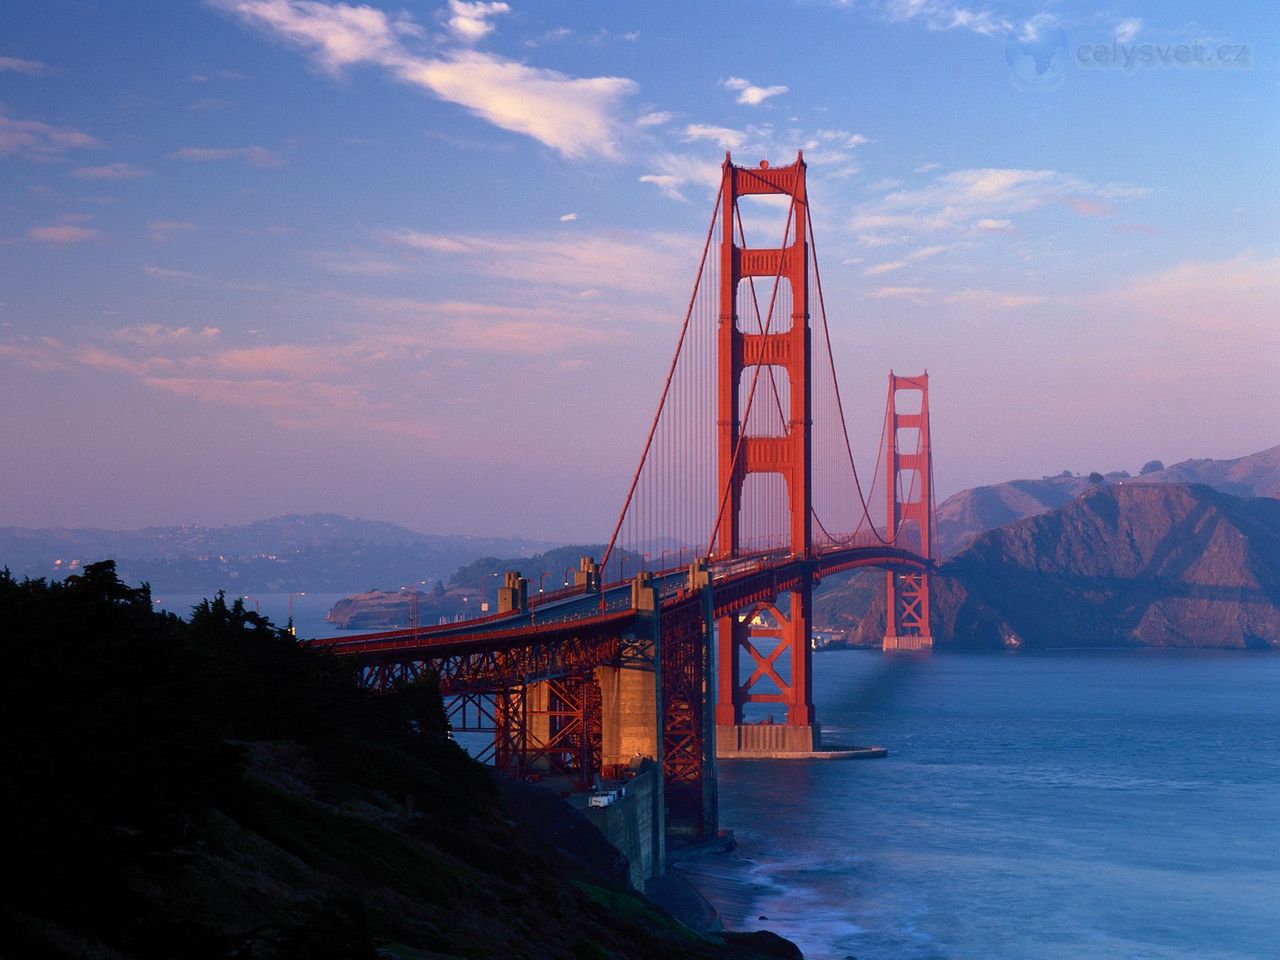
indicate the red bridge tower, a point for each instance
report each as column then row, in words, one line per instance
column 780, row 343
column 909, row 487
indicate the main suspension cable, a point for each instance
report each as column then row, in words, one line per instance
column 666, row 387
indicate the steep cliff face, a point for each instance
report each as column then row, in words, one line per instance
column 1148, row 564
column 965, row 515
column 1137, row 564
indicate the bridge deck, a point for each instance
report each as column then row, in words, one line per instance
column 735, row 584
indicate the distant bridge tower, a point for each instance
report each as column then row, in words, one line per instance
column 909, row 486
column 786, row 663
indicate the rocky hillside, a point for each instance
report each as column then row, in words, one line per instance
column 1138, row 564
column 963, row 516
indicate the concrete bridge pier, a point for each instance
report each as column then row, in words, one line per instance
column 513, row 595
column 630, row 708
column 771, row 638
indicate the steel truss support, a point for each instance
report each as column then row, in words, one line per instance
column 560, row 716
column 787, row 636
column 687, row 761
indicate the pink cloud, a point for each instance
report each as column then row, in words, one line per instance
column 1239, row 297
column 32, row 68
column 96, row 358
column 41, row 141
column 62, row 234
column 290, row 360
column 254, row 156
column 648, row 264
column 277, row 396
column 1144, row 229
column 1089, row 208
column 520, row 336
column 112, row 171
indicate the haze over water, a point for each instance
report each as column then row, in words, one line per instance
column 1100, row 805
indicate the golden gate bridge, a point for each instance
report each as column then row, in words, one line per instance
column 745, row 497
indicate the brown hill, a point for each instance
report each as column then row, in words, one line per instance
column 1134, row 564
column 1257, row 475
column 964, row 515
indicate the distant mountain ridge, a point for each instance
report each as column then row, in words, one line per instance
column 1256, row 475
column 965, row 515
column 318, row 551
column 1133, row 564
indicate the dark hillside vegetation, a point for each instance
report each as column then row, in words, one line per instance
column 206, row 788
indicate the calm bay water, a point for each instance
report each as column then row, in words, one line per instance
column 1032, row 807
column 1080, row 805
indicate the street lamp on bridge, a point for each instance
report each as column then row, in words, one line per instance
column 484, row 591
column 300, row 593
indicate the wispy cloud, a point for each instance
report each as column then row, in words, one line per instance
column 218, row 75
column 354, row 262
column 1237, row 298
column 943, row 15
column 577, row 116
column 254, row 156
column 41, row 141
column 985, row 300
column 359, row 381
column 212, row 104
column 111, row 171
column 675, row 171
column 749, row 93
column 162, row 231
column 726, row 137
column 903, row 293
column 165, row 273
column 296, row 385
column 834, row 149
column 668, row 185
column 995, row 299
column 642, row 264
column 151, row 334
column 1128, row 28
column 32, row 68
column 915, row 256
column 62, row 234
column 470, row 22
column 986, row 198
column 654, row 118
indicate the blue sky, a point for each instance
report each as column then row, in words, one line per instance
column 426, row 261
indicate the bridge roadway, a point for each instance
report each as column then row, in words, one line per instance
column 576, row 618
